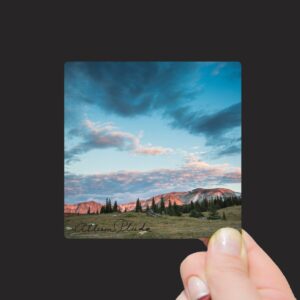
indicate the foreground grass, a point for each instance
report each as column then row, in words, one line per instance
column 130, row 225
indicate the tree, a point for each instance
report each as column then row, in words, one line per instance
column 192, row 206
column 162, row 208
column 147, row 207
column 170, row 209
column 198, row 206
column 115, row 208
column 185, row 208
column 213, row 212
column 153, row 205
column 204, row 205
column 108, row 207
column 89, row 211
column 138, row 207
column 176, row 210
column 103, row 210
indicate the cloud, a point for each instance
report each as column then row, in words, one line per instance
column 216, row 71
column 130, row 89
column 102, row 136
column 230, row 70
column 231, row 149
column 211, row 125
column 126, row 186
column 220, row 128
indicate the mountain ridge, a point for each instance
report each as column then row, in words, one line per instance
column 180, row 198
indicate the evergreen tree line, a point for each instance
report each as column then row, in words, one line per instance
column 171, row 209
column 194, row 209
column 109, row 208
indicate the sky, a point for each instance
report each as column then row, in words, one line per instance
column 139, row 129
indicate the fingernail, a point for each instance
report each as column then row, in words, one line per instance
column 228, row 241
column 197, row 289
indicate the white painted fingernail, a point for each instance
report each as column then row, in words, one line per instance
column 228, row 241
column 197, row 288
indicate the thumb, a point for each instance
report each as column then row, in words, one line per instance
column 226, row 268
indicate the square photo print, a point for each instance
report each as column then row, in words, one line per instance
column 152, row 149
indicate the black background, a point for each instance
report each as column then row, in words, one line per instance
column 40, row 38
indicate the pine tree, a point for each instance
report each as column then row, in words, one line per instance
column 138, row 207
column 103, row 210
column 176, row 210
column 197, row 206
column 162, row 207
column 108, row 206
column 205, row 204
column 89, row 211
column 147, row 207
column 115, row 208
column 170, row 209
column 153, row 205
column 192, row 206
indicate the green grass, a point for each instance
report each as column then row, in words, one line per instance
column 164, row 227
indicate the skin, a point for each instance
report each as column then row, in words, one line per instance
column 249, row 275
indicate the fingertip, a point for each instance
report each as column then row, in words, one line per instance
column 192, row 270
column 182, row 296
column 193, row 264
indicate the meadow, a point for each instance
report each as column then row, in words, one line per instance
column 132, row 225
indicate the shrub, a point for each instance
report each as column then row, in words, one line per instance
column 195, row 214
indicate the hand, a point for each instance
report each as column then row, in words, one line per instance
column 233, row 268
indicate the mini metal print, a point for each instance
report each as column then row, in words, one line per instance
column 152, row 149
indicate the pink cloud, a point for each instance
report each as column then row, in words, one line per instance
column 192, row 174
column 106, row 135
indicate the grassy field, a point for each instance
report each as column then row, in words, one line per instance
column 133, row 225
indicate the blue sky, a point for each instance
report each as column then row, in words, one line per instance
column 137, row 129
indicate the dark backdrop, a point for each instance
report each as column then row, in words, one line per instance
column 40, row 38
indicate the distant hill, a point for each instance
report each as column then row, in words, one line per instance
column 180, row 198
column 83, row 208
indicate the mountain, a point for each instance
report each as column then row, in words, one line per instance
column 209, row 194
column 180, row 198
column 173, row 197
column 83, row 208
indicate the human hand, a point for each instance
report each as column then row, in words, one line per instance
column 233, row 268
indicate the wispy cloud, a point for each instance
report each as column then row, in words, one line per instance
column 219, row 128
column 211, row 125
column 106, row 135
column 129, row 89
column 183, row 95
column 216, row 71
column 127, row 185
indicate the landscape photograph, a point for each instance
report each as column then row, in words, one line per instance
column 152, row 149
